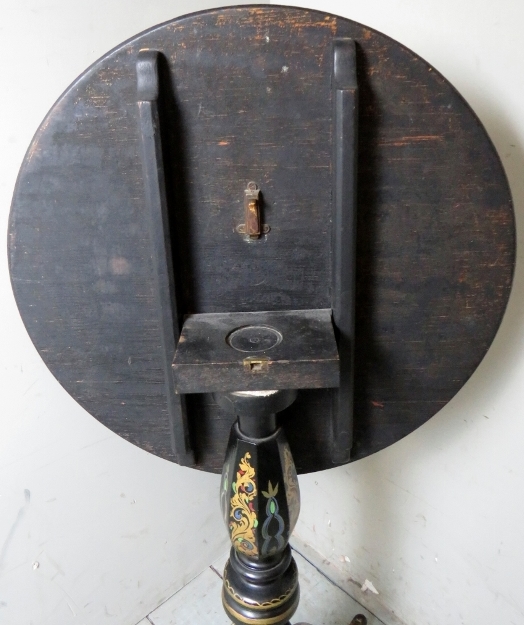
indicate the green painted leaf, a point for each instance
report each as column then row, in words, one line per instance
column 272, row 490
column 272, row 507
column 234, row 487
column 255, row 523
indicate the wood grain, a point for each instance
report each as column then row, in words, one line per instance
column 246, row 95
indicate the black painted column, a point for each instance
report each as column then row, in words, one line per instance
column 260, row 502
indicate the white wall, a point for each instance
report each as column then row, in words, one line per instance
column 114, row 530
column 435, row 522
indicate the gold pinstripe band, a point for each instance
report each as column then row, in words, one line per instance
column 274, row 603
column 261, row 621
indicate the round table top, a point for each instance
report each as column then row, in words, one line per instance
column 248, row 97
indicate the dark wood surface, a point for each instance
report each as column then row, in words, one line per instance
column 292, row 350
column 247, row 96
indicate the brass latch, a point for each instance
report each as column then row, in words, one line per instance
column 257, row 364
column 252, row 227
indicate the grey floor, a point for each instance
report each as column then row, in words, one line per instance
column 199, row 603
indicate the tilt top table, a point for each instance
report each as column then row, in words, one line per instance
column 264, row 234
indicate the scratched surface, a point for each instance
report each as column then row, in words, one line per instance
column 246, row 95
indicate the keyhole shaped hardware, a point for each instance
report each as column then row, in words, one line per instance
column 251, row 228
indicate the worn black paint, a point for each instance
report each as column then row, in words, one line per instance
column 345, row 144
column 160, row 247
column 306, row 356
column 435, row 248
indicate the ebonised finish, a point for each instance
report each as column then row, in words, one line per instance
column 274, row 350
column 247, row 95
column 148, row 90
column 260, row 502
column 344, row 237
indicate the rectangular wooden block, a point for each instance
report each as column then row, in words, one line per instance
column 256, row 351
